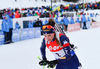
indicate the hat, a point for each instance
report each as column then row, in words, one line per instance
column 47, row 29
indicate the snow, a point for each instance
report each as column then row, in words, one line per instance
column 23, row 54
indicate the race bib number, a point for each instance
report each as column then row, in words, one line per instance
column 59, row 54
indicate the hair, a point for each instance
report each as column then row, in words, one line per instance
column 51, row 22
column 57, row 41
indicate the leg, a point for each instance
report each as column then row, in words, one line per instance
column 85, row 25
column 5, row 36
column 66, row 27
column 61, row 65
column 10, row 34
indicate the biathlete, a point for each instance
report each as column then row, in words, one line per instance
column 59, row 45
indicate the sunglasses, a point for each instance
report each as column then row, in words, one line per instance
column 47, row 27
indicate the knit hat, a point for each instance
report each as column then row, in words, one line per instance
column 47, row 29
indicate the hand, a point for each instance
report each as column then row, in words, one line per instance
column 43, row 62
column 52, row 63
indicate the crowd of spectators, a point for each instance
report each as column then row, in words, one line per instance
column 43, row 11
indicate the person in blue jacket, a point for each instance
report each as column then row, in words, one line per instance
column 62, row 24
column 46, row 21
column 89, row 19
column 5, row 26
column 66, row 22
column 17, row 26
column 59, row 46
column 84, row 21
column 78, row 21
column 30, row 24
column 34, row 22
column 91, row 15
column 56, row 19
column 72, row 20
column 88, row 23
column 10, row 22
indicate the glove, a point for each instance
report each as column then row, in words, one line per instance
column 52, row 63
column 43, row 62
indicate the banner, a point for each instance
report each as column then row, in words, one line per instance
column 15, row 36
column 24, row 34
column 95, row 24
column 99, row 23
column 73, row 27
column 30, row 33
column 37, row 32
column 1, row 38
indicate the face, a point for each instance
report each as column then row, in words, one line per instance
column 49, row 37
column 6, row 18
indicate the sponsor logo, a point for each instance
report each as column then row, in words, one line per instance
column 65, row 42
column 55, row 48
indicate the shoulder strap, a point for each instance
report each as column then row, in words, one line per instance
column 57, row 36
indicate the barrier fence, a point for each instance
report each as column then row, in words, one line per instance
column 22, row 34
column 77, row 26
column 31, row 33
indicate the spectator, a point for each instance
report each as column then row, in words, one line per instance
column 72, row 20
column 17, row 25
column 66, row 22
column 30, row 24
column 29, row 14
column 5, row 27
column 10, row 22
column 88, row 23
column 38, row 23
column 46, row 21
column 91, row 15
column 77, row 21
column 62, row 23
column 88, row 19
column 84, row 21
column 56, row 20
column 34, row 22
column 17, row 15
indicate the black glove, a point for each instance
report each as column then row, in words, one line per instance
column 52, row 63
column 43, row 62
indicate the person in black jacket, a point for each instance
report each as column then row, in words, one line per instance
column 38, row 23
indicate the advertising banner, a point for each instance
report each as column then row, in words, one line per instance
column 24, row 34
column 15, row 36
column 30, row 33
column 95, row 24
column 37, row 32
column 73, row 27
column 1, row 38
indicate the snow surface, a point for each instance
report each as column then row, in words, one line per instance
column 23, row 54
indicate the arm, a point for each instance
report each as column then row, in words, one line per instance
column 42, row 49
column 66, row 44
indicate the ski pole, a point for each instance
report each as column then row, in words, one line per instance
column 41, row 59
